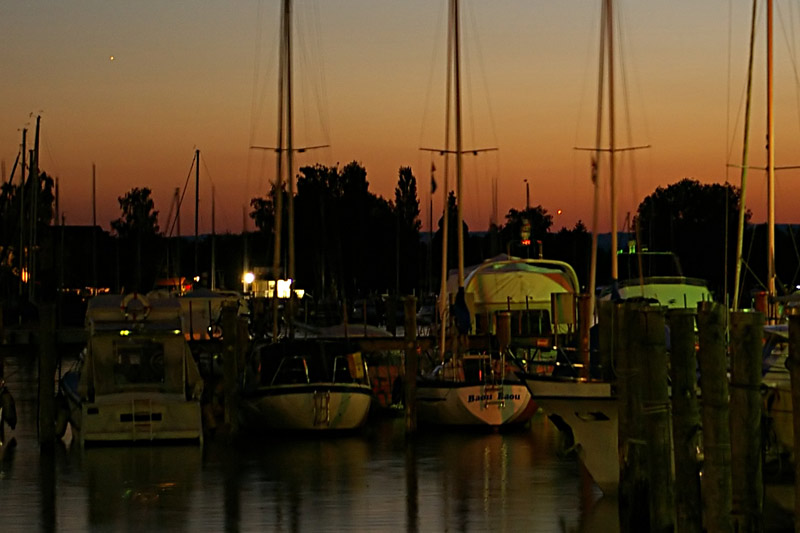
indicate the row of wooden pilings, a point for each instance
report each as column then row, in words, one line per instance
column 667, row 440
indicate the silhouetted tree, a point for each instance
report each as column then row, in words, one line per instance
column 695, row 221
column 138, row 225
column 406, row 207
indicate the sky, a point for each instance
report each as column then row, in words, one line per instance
column 134, row 88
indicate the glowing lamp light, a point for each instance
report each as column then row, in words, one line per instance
column 249, row 277
column 284, row 288
column 124, row 332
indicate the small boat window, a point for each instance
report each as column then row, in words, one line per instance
column 139, row 362
column 292, row 370
column 341, row 370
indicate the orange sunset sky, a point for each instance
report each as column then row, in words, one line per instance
column 369, row 81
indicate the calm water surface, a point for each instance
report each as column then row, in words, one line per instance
column 373, row 481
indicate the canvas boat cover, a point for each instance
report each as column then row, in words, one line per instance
column 505, row 281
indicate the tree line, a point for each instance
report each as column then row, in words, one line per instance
column 353, row 244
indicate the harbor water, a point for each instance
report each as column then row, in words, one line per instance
column 374, row 480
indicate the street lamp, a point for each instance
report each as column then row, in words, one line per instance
column 527, row 195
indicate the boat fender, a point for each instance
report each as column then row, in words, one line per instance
column 62, row 415
column 8, row 406
column 132, row 313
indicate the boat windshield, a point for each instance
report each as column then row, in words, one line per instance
column 139, row 362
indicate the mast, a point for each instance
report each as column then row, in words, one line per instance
column 596, row 161
column 94, row 229
column 22, row 213
column 745, row 152
column 444, row 299
column 196, row 211
column 213, row 240
column 611, row 148
column 34, row 175
column 770, row 171
column 457, row 80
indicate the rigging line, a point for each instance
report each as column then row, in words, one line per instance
column 180, row 202
column 484, row 77
column 434, row 66
column 622, row 40
column 796, row 255
column 320, row 89
column 791, row 47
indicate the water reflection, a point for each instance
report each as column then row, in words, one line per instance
column 373, row 481
column 152, row 485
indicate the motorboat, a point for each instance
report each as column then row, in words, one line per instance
column 136, row 380
column 305, row 385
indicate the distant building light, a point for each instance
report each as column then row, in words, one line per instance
column 526, row 242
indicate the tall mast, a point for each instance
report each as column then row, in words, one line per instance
column 196, row 211
column 596, row 161
column 289, row 152
column 94, row 229
column 745, row 153
column 444, row 299
column 34, row 213
column 457, row 80
column 611, row 153
column 770, row 170
column 213, row 240
column 22, row 210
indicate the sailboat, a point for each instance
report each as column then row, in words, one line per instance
column 467, row 389
column 291, row 384
column 583, row 406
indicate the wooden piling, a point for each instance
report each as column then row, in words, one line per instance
column 747, row 484
column 686, row 430
column 608, row 333
column 793, row 363
column 634, row 508
column 656, row 417
column 411, row 364
column 47, row 375
column 230, row 335
column 584, row 323
column 715, row 416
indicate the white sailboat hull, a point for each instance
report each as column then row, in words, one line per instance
column 590, row 411
column 307, row 407
column 466, row 404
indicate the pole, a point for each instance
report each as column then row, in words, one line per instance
column 47, row 372
column 745, row 155
column 22, row 215
column 770, row 175
column 685, row 420
column 793, row 363
column 611, row 154
column 633, row 488
column 230, row 332
column 746, row 472
column 196, row 212
column 459, row 204
column 94, row 231
column 715, row 417
column 411, row 364
column 213, row 240
column 655, row 408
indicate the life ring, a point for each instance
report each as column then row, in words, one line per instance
column 133, row 314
